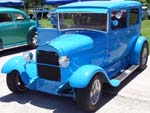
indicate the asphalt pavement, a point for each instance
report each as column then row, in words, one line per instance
column 133, row 96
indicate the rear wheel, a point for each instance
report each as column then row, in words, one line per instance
column 14, row 82
column 144, row 56
column 89, row 98
column 33, row 41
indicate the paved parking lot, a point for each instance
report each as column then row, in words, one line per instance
column 133, row 96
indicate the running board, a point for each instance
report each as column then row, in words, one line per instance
column 126, row 73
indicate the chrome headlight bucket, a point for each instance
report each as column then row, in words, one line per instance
column 28, row 56
column 64, row 61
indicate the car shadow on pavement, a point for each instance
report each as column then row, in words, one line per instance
column 14, row 51
column 62, row 104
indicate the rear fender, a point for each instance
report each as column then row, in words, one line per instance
column 82, row 76
column 135, row 54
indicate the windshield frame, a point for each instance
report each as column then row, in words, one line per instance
column 107, row 22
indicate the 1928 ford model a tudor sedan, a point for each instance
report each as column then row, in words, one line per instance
column 95, row 42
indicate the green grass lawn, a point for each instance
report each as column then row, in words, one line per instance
column 45, row 23
column 146, row 29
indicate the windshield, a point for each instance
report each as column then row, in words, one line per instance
column 94, row 21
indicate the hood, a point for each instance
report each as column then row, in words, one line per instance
column 71, row 43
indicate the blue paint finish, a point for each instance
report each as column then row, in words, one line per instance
column 135, row 53
column 101, row 4
column 69, row 43
column 115, row 83
column 90, row 51
column 45, row 32
column 16, row 63
column 28, row 71
column 92, row 10
column 81, row 78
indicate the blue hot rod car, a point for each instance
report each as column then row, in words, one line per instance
column 95, row 42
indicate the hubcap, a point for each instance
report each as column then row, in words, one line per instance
column 19, row 84
column 34, row 40
column 95, row 92
column 144, row 56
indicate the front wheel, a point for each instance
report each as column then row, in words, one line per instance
column 144, row 56
column 14, row 82
column 89, row 98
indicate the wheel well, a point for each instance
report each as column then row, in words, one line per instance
column 103, row 77
column 148, row 45
column 30, row 34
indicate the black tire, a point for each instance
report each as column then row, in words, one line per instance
column 144, row 56
column 84, row 100
column 14, row 83
column 33, row 41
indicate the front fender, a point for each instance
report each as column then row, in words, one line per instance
column 135, row 54
column 15, row 63
column 81, row 78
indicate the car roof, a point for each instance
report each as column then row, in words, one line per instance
column 4, row 9
column 113, row 4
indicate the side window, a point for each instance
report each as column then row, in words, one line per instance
column 134, row 15
column 4, row 17
column 19, row 17
column 118, row 19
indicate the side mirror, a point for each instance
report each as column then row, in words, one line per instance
column 115, row 23
column 31, row 16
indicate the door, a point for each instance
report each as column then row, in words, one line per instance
column 118, row 40
column 22, row 25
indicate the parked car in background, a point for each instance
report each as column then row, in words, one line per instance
column 16, row 29
column 53, row 18
column 94, row 43
column 148, row 12
column 144, row 12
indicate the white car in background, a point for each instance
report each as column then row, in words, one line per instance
column 145, row 13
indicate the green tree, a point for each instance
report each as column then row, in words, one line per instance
column 147, row 1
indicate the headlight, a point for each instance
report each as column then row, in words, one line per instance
column 28, row 56
column 64, row 61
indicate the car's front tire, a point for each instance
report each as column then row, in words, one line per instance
column 89, row 98
column 14, row 82
column 144, row 56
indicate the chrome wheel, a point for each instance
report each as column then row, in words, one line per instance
column 95, row 92
column 144, row 56
column 34, row 39
column 89, row 98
